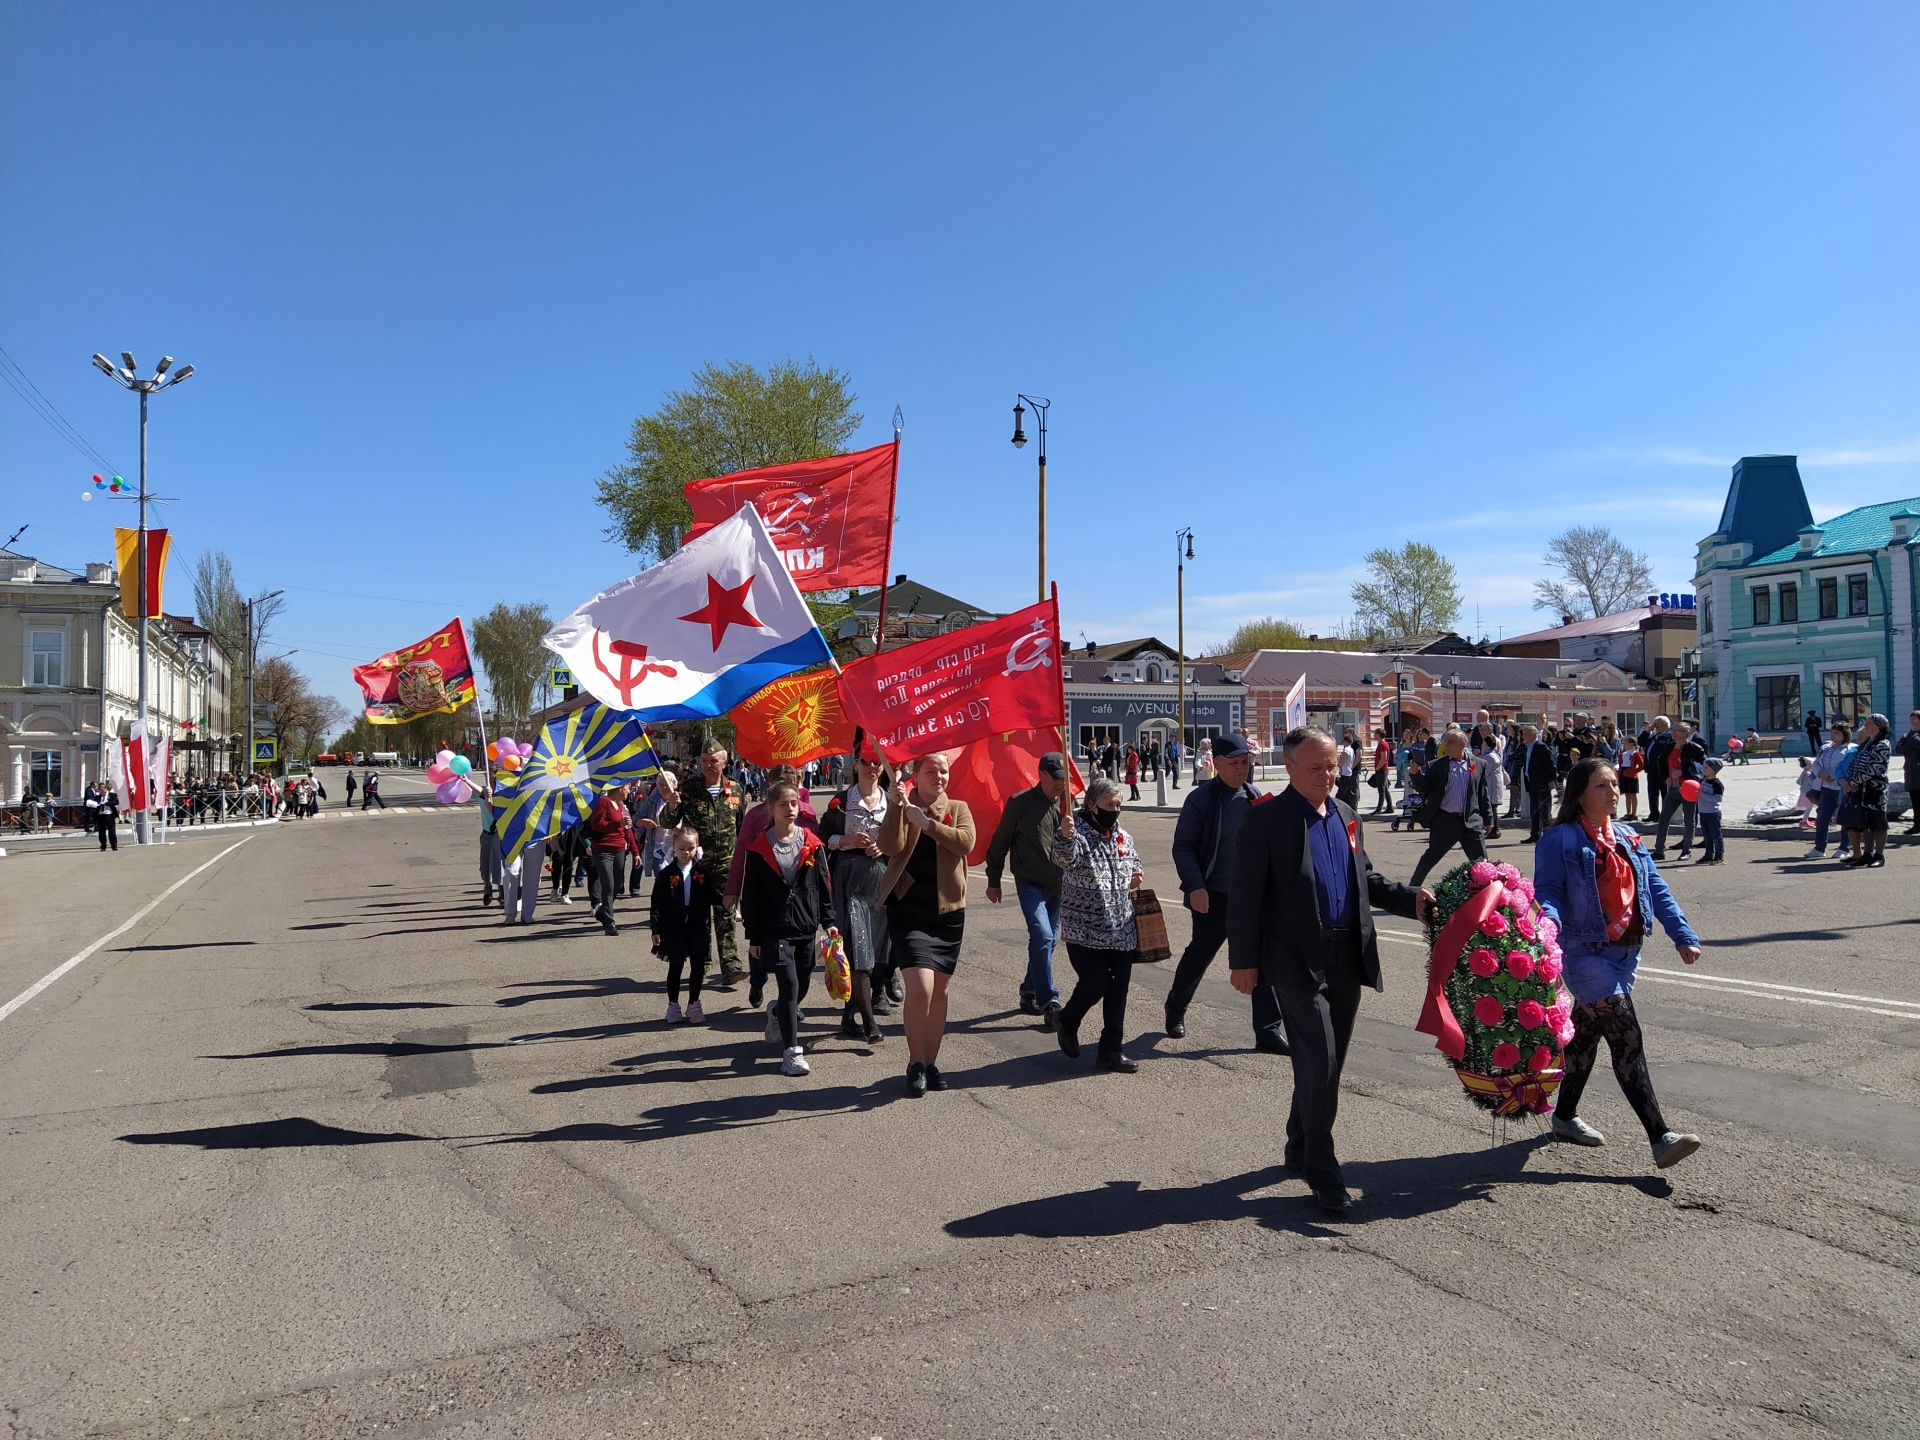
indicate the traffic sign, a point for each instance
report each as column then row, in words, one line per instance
column 561, row 678
column 265, row 752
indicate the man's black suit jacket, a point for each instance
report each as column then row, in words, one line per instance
column 1273, row 909
column 1538, row 763
column 1433, row 790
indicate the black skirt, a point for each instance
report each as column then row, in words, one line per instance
column 926, row 943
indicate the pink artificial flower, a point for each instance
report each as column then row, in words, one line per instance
column 1489, row 1011
column 1519, row 964
column 1482, row 875
column 1508, row 874
column 1523, row 887
column 1549, row 928
column 1506, row 1055
column 1563, row 1031
column 1484, row 963
column 1531, row 1014
column 1539, row 1107
column 1548, row 969
column 1523, row 922
column 1494, row 924
column 1542, row 1059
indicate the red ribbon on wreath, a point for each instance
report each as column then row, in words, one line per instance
column 1528, row 1093
column 1436, row 1015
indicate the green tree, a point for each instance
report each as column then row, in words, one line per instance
column 1410, row 591
column 1601, row 574
column 1268, row 633
column 508, row 640
column 732, row 417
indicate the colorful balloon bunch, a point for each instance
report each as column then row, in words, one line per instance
column 115, row 486
column 449, row 774
column 509, row 754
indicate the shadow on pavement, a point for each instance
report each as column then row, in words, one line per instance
column 196, row 945
column 600, row 989
column 384, row 1005
column 294, row 1132
column 1389, row 1189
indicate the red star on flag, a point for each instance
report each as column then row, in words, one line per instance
column 725, row 606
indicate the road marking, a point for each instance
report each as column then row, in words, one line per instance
column 1752, row 989
column 45, row 980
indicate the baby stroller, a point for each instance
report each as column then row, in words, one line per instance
column 1408, row 808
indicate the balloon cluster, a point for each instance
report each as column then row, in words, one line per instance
column 115, row 485
column 449, row 774
column 508, row 754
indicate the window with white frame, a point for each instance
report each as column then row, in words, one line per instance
column 46, row 657
column 1789, row 603
column 1776, row 702
column 1829, row 598
column 1762, row 605
column 1856, row 595
column 1847, row 694
column 45, row 772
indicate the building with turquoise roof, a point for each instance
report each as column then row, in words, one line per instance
column 1797, row 616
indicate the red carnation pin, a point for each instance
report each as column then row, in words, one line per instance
column 1353, row 836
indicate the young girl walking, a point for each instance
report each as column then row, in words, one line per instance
column 682, row 925
column 785, row 896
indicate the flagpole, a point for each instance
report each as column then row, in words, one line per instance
column 886, row 570
column 1060, row 676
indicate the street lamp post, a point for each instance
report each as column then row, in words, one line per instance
column 125, row 377
column 1453, row 681
column 1019, row 440
column 1181, row 538
column 253, row 644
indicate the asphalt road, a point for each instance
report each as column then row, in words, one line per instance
column 314, row 1147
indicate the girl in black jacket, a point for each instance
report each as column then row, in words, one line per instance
column 682, row 924
column 785, row 897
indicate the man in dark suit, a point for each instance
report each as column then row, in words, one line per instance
column 1453, row 805
column 1205, row 845
column 1299, row 920
column 1536, row 773
column 1657, row 746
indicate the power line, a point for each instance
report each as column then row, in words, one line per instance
column 22, row 385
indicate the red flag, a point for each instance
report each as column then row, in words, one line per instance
column 133, row 766
column 960, row 687
column 429, row 678
column 795, row 719
column 990, row 772
column 831, row 519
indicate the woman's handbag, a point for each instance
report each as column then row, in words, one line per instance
column 1150, row 929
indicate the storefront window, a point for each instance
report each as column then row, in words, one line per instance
column 1847, row 694
column 1776, row 702
column 45, row 772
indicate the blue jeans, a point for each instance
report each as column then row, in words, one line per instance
column 1825, row 802
column 1713, row 843
column 1042, row 912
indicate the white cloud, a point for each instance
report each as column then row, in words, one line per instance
column 1906, row 453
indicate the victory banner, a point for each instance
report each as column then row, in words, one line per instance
column 831, row 519
column 126, row 554
column 432, row 677
column 960, row 687
column 795, row 719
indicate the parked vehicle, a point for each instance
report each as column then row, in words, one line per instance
column 384, row 757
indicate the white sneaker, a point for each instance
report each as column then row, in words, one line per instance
column 673, row 1012
column 1672, row 1147
column 773, row 1024
column 1577, row 1131
column 794, row 1062
column 566, row 899
column 1816, row 853
column 695, row 1015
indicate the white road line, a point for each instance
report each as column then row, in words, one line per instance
column 145, row 910
column 1752, row 989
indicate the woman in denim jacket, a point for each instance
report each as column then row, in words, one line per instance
column 1596, row 880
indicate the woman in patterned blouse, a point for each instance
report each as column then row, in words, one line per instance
column 1100, row 870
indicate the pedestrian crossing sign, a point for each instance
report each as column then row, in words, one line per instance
column 561, row 678
column 265, row 752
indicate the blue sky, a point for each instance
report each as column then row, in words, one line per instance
column 1307, row 278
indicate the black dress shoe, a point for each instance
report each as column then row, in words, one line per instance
column 1272, row 1046
column 1333, row 1199
column 935, row 1080
column 916, row 1080
column 850, row 1028
column 872, row 1035
column 1176, row 1027
column 1124, row 1064
column 1069, row 1042
column 1050, row 1017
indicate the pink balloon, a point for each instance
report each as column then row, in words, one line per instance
column 439, row 773
column 444, row 756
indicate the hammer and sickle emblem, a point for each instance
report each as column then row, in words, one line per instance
column 634, row 666
column 1029, row 651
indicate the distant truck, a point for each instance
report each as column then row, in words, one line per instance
column 384, row 757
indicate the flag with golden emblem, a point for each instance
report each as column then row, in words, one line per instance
column 795, row 719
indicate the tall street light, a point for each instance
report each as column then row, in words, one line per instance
column 126, row 377
column 1019, row 440
column 1182, row 538
column 253, row 644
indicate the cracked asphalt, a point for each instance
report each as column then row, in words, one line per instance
column 317, row 1148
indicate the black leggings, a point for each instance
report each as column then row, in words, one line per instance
column 1104, row 978
column 694, row 967
column 1614, row 1019
column 791, row 963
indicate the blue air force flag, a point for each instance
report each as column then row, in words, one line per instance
column 575, row 758
column 716, row 621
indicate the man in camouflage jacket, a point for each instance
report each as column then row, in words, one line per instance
column 712, row 804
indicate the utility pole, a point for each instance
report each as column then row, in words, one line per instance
column 253, row 644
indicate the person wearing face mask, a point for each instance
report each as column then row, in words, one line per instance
column 1099, row 871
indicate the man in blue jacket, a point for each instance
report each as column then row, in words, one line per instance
column 1205, row 844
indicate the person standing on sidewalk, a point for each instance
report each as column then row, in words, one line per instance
column 1205, row 843
column 350, row 789
column 1382, row 781
column 1684, row 762
column 1713, row 794
column 1831, row 766
column 1025, row 836
column 1907, row 747
column 1813, row 726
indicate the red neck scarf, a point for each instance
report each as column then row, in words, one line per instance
column 1614, row 875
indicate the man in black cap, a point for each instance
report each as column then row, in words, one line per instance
column 1025, row 835
column 1205, row 842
